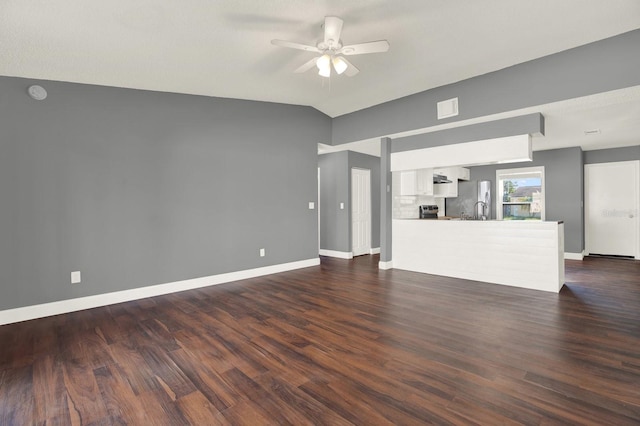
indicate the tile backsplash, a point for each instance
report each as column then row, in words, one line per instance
column 406, row 206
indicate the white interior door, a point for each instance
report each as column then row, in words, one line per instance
column 360, row 211
column 612, row 194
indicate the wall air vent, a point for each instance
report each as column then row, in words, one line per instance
column 448, row 108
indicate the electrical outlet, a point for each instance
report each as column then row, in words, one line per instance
column 262, row 252
column 75, row 277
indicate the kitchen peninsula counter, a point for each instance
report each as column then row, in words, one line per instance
column 527, row 254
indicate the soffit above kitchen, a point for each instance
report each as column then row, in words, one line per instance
column 600, row 121
column 223, row 48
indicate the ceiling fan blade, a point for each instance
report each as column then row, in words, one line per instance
column 369, row 47
column 306, row 66
column 351, row 69
column 293, row 45
column 332, row 30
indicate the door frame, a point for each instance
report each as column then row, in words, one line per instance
column 636, row 213
column 351, row 215
column 318, row 211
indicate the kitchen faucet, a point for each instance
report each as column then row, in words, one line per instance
column 484, row 208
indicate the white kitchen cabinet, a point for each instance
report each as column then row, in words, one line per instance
column 446, row 190
column 463, row 173
column 424, row 182
column 454, row 174
column 416, row 182
column 441, row 171
column 408, row 182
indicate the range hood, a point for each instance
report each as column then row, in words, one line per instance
column 440, row 179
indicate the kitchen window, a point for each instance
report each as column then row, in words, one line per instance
column 520, row 194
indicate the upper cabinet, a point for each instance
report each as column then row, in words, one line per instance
column 454, row 174
column 463, row 173
column 420, row 182
column 424, row 182
column 416, row 182
column 408, row 182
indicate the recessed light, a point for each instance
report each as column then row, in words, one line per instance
column 592, row 132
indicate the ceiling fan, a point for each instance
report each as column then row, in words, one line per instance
column 332, row 51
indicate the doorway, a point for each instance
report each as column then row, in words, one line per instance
column 360, row 211
column 612, row 204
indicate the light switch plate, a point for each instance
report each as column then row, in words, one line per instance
column 75, row 277
column 312, row 205
column 341, row 206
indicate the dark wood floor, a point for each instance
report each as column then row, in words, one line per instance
column 341, row 343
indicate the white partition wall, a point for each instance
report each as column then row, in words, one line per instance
column 523, row 254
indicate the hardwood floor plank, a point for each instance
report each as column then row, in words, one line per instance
column 161, row 410
column 121, row 402
column 340, row 402
column 207, row 381
column 16, row 395
column 290, row 395
column 198, row 410
column 49, row 391
column 83, row 396
column 263, row 400
column 246, row 413
column 167, row 374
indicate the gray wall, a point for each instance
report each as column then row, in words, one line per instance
column 335, row 187
column 612, row 154
column 386, row 203
column 598, row 67
column 136, row 188
column 563, row 189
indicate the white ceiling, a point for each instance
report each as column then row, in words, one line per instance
column 222, row 47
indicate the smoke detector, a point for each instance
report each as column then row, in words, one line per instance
column 37, row 92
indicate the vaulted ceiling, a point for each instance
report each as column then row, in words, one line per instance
column 222, row 47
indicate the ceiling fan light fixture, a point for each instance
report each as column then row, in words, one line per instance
column 339, row 65
column 332, row 53
column 323, row 62
column 324, row 65
column 325, row 72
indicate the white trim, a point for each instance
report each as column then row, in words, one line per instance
column 338, row 254
column 634, row 194
column 64, row 306
column 574, row 256
column 385, row 265
column 374, row 250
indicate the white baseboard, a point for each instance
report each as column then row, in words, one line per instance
column 574, row 256
column 71, row 305
column 374, row 250
column 385, row 265
column 338, row 254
